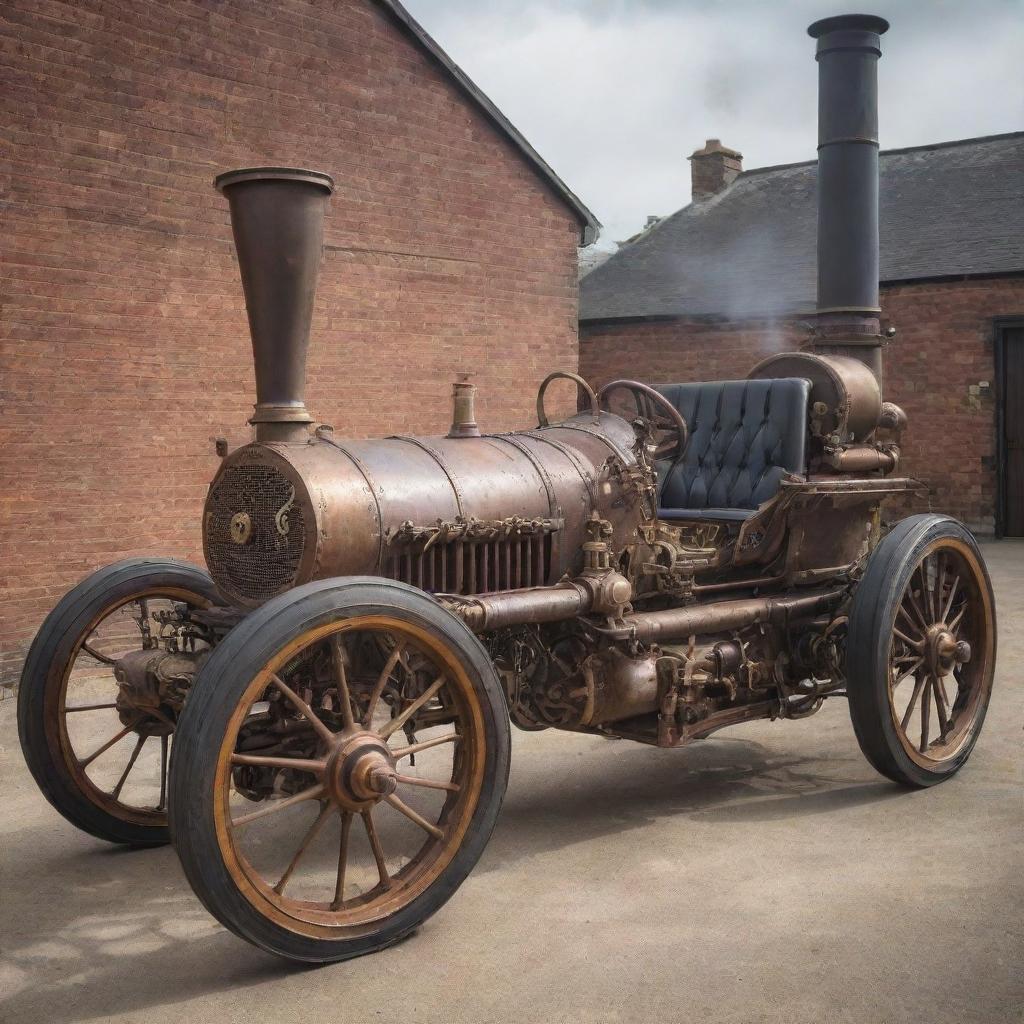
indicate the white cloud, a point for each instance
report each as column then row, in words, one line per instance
column 615, row 94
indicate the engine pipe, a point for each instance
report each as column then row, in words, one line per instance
column 568, row 600
column 518, row 607
column 699, row 620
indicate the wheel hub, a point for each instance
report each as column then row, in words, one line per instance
column 943, row 651
column 360, row 771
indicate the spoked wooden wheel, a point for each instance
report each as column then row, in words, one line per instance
column 921, row 651
column 339, row 768
column 96, row 748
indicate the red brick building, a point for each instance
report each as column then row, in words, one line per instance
column 705, row 293
column 124, row 352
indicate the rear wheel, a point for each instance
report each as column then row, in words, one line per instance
column 921, row 651
column 100, row 761
column 339, row 768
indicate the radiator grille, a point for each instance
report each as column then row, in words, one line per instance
column 267, row 561
column 473, row 566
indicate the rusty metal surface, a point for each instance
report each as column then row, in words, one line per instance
column 546, row 542
column 849, row 393
column 349, row 506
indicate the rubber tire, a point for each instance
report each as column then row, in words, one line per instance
column 43, row 671
column 214, row 697
column 872, row 613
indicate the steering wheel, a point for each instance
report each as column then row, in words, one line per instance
column 663, row 419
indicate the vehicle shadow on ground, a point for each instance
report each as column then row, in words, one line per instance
column 731, row 781
column 119, row 931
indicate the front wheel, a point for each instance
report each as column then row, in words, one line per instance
column 921, row 651
column 338, row 769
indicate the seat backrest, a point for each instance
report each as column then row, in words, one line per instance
column 745, row 436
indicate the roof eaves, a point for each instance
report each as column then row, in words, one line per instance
column 591, row 226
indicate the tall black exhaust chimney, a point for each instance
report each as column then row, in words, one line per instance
column 848, row 312
column 277, row 217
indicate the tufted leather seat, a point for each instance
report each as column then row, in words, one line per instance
column 745, row 436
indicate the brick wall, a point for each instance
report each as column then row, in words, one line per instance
column 123, row 343
column 943, row 347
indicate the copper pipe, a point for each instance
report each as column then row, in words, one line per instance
column 556, row 604
column 517, row 607
column 702, row 619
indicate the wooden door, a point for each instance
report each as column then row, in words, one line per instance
column 1013, row 430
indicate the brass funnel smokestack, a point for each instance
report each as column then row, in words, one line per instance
column 277, row 217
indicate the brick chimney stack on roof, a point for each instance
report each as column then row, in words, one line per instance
column 713, row 168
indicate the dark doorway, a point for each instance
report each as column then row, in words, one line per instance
column 1010, row 353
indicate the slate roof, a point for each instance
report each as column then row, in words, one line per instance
column 590, row 226
column 946, row 210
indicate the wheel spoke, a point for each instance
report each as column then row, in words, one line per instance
column 397, row 723
column 378, row 852
column 116, row 791
column 143, row 621
column 915, row 606
column 412, row 780
column 106, row 746
column 954, row 625
column 338, row 656
column 279, row 805
column 412, row 815
column 307, row 839
column 902, row 659
column 909, row 671
column 960, row 684
column 304, row 709
column 299, row 764
column 941, row 706
column 918, row 687
column 382, row 679
column 415, row 748
column 926, row 717
column 940, row 583
column 949, row 600
column 339, row 883
column 93, row 653
column 916, row 644
column 926, row 591
column 911, row 621
column 88, row 707
column 164, row 749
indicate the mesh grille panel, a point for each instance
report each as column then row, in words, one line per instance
column 267, row 560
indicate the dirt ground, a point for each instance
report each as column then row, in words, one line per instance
column 766, row 874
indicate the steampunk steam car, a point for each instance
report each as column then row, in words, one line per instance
column 664, row 563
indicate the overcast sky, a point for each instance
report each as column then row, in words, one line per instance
column 615, row 94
